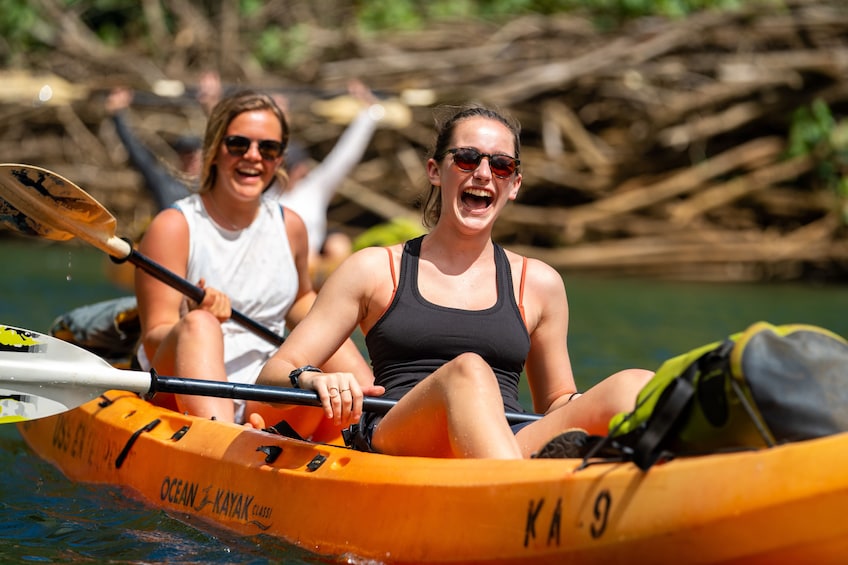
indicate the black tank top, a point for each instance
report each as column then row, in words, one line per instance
column 415, row 337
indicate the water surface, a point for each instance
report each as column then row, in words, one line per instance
column 615, row 323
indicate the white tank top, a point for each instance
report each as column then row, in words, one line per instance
column 255, row 268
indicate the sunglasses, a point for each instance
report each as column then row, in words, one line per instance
column 238, row 145
column 468, row 159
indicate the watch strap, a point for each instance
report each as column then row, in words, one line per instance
column 294, row 376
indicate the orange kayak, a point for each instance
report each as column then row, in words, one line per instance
column 779, row 505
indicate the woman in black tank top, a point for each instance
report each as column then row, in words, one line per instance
column 451, row 321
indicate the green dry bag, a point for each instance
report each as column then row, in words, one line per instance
column 758, row 388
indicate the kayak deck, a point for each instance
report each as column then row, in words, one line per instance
column 770, row 506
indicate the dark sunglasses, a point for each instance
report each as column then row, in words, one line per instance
column 468, row 159
column 238, row 145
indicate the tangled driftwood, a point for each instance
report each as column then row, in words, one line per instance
column 658, row 150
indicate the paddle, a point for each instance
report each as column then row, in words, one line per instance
column 41, row 375
column 41, row 203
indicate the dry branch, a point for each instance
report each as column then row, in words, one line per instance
column 657, row 150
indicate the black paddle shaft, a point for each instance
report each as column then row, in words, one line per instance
column 281, row 395
column 195, row 293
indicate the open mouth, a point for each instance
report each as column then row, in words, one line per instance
column 249, row 172
column 477, row 199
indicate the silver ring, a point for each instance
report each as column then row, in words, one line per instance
column 345, row 390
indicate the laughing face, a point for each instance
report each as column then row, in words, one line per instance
column 474, row 198
column 248, row 173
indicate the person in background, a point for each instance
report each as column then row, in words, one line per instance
column 451, row 320
column 165, row 183
column 210, row 91
column 246, row 250
column 311, row 188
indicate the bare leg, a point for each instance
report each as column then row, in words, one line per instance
column 591, row 411
column 455, row 412
column 255, row 421
column 194, row 348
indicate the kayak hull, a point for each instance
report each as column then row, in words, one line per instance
column 781, row 505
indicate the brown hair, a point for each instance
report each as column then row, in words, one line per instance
column 220, row 117
column 445, row 128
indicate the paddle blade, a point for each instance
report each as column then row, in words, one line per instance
column 16, row 406
column 55, row 207
column 41, row 375
column 16, row 220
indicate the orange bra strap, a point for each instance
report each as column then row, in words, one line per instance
column 521, row 289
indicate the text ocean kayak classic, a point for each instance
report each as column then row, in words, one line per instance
column 779, row 505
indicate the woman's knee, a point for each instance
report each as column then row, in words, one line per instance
column 632, row 380
column 472, row 368
column 619, row 391
column 199, row 323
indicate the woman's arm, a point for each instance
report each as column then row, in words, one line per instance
column 165, row 187
column 166, row 243
column 345, row 357
column 332, row 317
column 548, row 364
column 323, row 180
column 316, row 340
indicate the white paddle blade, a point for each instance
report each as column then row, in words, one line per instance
column 41, row 375
column 16, row 406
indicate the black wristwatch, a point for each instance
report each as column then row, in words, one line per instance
column 294, row 376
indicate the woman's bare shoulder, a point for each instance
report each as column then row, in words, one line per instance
column 373, row 259
column 169, row 223
column 366, row 276
column 537, row 273
column 292, row 217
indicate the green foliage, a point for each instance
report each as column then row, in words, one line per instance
column 276, row 47
column 810, row 128
column 18, row 22
column 814, row 131
column 250, row 8
column 390, row 14
column 24, row 29
column 411, row 14
column 113, row 21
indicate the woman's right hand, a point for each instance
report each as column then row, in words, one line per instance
column 340, row 394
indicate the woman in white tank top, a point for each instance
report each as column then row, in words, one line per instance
column 244, row 249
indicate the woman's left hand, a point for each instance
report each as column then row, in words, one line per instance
column 215, row 302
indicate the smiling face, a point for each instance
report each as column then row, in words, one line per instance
column 474, row 199
column 250, row 173
column 251, row 117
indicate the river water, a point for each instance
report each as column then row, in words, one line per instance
column 615, row 323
